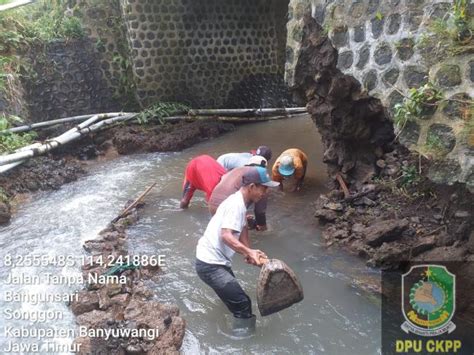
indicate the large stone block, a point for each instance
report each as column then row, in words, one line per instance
column 441, row 137
column 359, row 33
column 390, row 76
column 415, row 76
column 448, row 76
column 364, row 55
column 393, row 24
column 383, row 54
column 444, row 171
column 340, row 37
column 459, row 107
column 278, row 287
column 377, row 26
column 405, row 48
column 410, row 133
column 370, row 80
column 345, row 59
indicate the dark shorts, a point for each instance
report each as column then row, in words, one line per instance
column 222, row 280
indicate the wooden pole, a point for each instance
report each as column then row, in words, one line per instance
column 343, row 185
column 134, row 203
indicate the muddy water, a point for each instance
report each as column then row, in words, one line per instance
column 335, row 317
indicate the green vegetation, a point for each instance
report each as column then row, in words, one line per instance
column 434, row 144
column 410, row 176
column 11, row 141
column 3, row 195
column 160, row 110
column 379, row 16
column 450, row 35
column 417, row 104
column 34, row 24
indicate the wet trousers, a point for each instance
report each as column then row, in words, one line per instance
column 222, row 280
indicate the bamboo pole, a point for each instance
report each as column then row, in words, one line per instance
column 64, row 138
column 247, row 111
column 26, row 128
column 230, row 119
column 134, row 203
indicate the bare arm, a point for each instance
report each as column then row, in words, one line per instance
column 251, row 255
column 244, row 237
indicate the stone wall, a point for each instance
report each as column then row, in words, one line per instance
column 68, row 80
column 382, row 44
column 70, row 77
column 208, row 53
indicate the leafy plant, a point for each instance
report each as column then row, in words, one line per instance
column 160, row 110
column 416, row 104
column 3, row 195
column 410, row 176
column 11, row 141
column 379, row 16
column 434, row 144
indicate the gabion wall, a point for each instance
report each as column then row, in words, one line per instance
column 381, row 44
column 204, row 52
column 68, row 81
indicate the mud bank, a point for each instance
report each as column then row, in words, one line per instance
column 400, row 216
column 70, row 162
column 122, row 306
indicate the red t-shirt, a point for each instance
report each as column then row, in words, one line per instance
column 203, row 173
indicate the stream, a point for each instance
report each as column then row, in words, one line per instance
column 335, row 317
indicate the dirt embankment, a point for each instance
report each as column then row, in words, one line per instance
column 400, row 216
column 70, row 162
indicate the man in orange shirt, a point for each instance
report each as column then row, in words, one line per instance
column 291, row 163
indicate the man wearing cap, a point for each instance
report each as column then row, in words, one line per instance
column 291, row 163
column 202, row 173
column 231, row 182
column 235, row 160
column 227, row 234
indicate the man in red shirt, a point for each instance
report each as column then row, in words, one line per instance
column 202, row 173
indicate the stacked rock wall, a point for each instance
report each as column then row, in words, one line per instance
column 66, row 77
column 383, row 45
column 68, row 81
column 208, row 53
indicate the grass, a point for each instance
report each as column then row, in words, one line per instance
column 12, row 141
column 160, row 110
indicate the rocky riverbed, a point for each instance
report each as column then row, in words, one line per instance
column 70, row 162
column 125, row 304
column 398, row 215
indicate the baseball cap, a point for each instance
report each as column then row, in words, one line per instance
column 258, row 175
column 257, row 160
column 264, row 151
column 287, row 166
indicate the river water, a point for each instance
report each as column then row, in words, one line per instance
column 335, row 317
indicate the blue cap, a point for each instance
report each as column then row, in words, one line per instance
column 258, row 175
column 287, row 167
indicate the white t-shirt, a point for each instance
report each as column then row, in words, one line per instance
column 231, row 214
column 234, row 160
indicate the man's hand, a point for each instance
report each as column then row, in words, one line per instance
column 261, row 228
column 254, row 257
column 183, row 204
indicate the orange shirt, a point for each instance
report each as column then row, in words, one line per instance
column 300, row 161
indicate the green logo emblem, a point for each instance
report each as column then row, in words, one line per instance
column 428, row 300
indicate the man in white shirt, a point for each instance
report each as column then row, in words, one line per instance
column 226, row 234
